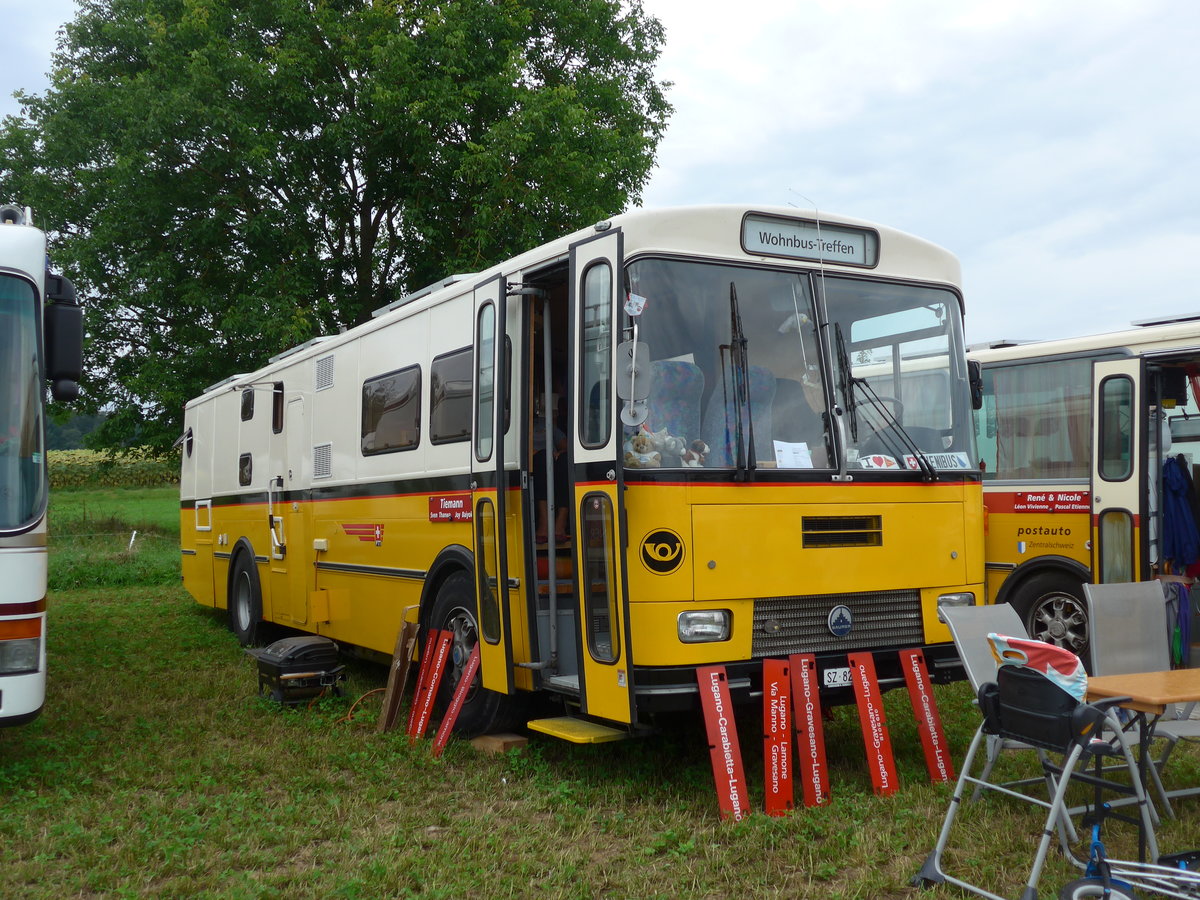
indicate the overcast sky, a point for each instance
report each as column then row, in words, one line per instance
column 1051, row 144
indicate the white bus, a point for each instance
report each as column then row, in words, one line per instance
column 41, row 338
column 679, row 438
column 1084, row 443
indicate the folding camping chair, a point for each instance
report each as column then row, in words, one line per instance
column 1037, row 699
column 1127, row 625
column 969, row 627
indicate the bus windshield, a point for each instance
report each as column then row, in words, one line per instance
column 897, row 356
column 22, row 467
column 740, row 374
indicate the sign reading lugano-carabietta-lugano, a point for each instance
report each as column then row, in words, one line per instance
column 925, row 711
column 724, row 749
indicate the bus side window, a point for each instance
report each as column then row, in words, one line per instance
column 1116, row 428
column 595, row 388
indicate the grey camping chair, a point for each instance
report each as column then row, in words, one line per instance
column 1127, row 626
column 970, row 627
column 1024, row 705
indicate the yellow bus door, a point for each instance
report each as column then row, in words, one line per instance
column 597, row 295
column 1119, row 414
column 489, row 486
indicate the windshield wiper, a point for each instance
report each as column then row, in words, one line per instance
column 892, row 430
column 846, row 380
column 740, row 364
column 849, row 385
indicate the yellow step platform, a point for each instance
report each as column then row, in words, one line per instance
column 577, row 731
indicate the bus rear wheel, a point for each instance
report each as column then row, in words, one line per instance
column 245, row 600
column 1052, row 608
column 483, row 710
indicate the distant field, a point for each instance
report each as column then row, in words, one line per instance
column 111, row 537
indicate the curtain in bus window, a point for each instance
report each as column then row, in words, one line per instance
column 1043, row 420
column 22, row 469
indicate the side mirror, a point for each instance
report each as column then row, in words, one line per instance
column 633, row 381
column 975, row 378
column 63, row 321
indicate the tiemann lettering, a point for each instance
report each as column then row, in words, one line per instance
column 927, row 708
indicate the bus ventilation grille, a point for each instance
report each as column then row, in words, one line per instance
column 323, row 461
column 323, row 373
column 882, row 619
column 842, row 531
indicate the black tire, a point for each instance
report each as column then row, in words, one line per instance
column 1052, row 607
column 483, row 710
column 1094, row 887
column 245, row 600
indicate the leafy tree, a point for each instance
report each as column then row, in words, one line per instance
column 224, row 179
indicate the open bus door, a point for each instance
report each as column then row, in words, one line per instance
column 489, row 486
column 1119, row 528
column 605, row 682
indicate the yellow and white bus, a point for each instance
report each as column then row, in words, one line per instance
column 679, row 438
column 1081, row 441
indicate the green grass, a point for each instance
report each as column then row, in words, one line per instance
column 157, row 771
column 114, row 537
column 147, row 509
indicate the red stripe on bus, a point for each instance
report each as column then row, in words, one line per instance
column 23, row 609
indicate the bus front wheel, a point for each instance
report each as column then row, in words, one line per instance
column 245, row 600
column 453, row 610
column 1052, row 608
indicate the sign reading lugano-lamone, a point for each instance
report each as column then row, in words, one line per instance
column 802, row 239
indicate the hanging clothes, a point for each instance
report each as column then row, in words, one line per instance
column 1181, row 541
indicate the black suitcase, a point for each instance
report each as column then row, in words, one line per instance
column 296, row 669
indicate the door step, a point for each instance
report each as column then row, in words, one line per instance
column 577, row 731
column 566, row 684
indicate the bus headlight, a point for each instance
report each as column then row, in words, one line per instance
column 20, row 656
column 964, row 598
column 704, row 625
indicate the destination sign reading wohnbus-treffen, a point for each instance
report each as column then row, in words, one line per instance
column 797, row 239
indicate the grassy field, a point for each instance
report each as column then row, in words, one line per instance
column 114, row 537
column 157, row 771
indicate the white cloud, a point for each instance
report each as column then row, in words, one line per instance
column 1051, row 145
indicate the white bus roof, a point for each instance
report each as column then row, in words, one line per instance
column 711, row 232
column 1147, row 336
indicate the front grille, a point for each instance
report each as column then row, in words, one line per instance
column 842, row 531
column 882, row 619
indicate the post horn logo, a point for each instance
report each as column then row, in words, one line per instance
column 662, row 551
